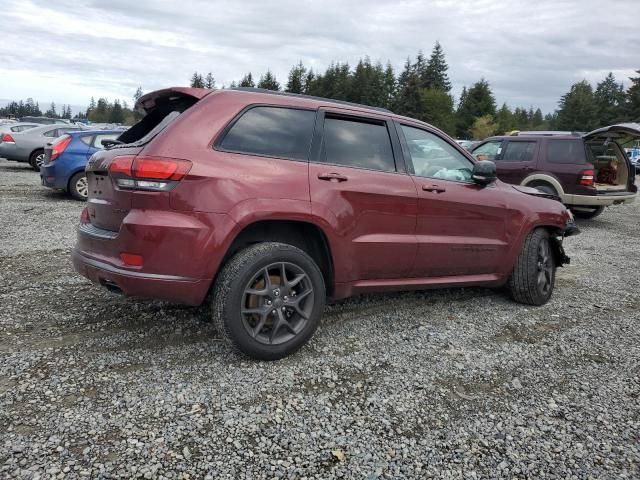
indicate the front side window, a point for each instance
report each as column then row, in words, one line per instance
column 566, row 151
column 433, row 157
column 273, row 132
column 488, row 151
column 357, row 143
column 518, row 151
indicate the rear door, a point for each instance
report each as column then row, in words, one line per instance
column 358, row 185
column 517, row 160
column 461, row 226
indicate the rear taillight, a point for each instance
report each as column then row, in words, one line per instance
column 148, row 173
column 59, row 148
column 586, row 178
column 6, row 138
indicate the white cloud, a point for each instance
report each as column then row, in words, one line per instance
column 70, row 50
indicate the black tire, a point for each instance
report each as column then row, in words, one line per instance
column 241, row 304
column 587, row 212
column 535, row 263
column 36, row 159
column 77, row 188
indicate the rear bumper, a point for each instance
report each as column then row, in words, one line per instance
column 49, row 177
column 171, row 288
column 602, row 200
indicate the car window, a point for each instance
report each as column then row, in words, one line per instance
column 357, row 143
column 518, row 151
column 272, row 131
column 433, row 157
column 488, row 151
column 87, row 139
column 566, row 151
column 51, row 133
column 97, row 142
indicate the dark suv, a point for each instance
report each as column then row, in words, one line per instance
column 270, row 203
column 587, row 171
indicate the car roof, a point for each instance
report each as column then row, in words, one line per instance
column 531, row 137
column 259, row 95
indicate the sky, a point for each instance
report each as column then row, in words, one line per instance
column 530, row 52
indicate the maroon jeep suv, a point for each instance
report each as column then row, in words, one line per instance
column 588, row 172
column 268, row 204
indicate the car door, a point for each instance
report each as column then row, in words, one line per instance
column 358, row 185
column 517, row 160
column 461, row 226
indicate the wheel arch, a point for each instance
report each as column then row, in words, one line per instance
column 537, row 178
column 307, row 236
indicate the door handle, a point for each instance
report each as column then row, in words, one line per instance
column 433, row 188
column 332, row 177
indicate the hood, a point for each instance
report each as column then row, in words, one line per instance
column 614, row 132
column 148, row 101
column 535, row 192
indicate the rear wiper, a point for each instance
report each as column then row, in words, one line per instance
column 106, row 143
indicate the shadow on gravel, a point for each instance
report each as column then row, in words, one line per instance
column 16, row 167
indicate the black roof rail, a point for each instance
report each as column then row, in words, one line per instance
column 551, row 133
column 309, row 97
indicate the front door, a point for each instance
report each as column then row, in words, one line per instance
column 461, row 226
column 370, row 203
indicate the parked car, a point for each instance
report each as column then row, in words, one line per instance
column 634, row 157
column 28, row 145
column 586, row 171
column 66, row 158
column 43, row 120
column 273, row 202
column 467, row 144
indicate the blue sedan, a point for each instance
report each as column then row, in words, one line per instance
column 66, row 158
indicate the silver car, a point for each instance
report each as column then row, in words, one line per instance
column 16, row 127
column 28, row 145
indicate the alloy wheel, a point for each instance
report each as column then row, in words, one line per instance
column 277, row 303
column 82, row 187
column 545, row 267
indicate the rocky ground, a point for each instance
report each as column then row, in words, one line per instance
column 449, row 384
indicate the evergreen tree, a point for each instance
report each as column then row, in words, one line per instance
column 505, row 121
column 197, row 80
column 247, row 81
column 388, row 86
column 209, row 81
column 610, row 101
column 578, row 109
column 632, row 107
column 437, row 109
column 296, row 80
column 116, row 115
column 309, row 82
column 419, row 68
column 136, row 96
column 435, row 75
column 268, row 81
column 478, row 102
column 537, row 120
column 51, row 112
column 407, row 100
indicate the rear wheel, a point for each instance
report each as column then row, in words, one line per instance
column 78, row 186
column 534, row 273
column 546, row 188
column 587, row 212
column 268, row 300
column 36, row 160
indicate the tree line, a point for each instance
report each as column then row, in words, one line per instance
column 30, row 108
column 422, row 90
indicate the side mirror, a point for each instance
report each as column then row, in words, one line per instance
column 484, row 172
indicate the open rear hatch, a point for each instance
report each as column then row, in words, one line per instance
column 613, row 172
column 111, row 173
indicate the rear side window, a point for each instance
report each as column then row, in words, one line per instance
column 272, row 132
column 355, row 143
column 87, row 139
column 51, row 133
column 97, row 142
column 565, row 151
column 518, row 151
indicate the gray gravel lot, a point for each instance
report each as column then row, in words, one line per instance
column 449, row 384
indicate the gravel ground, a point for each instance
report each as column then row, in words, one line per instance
column 449, row 384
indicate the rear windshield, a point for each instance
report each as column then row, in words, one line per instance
column 166, row 110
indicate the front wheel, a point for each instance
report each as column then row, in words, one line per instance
column 78, row 186
column 268, row 300
column 534, row 273
column 587, row 212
